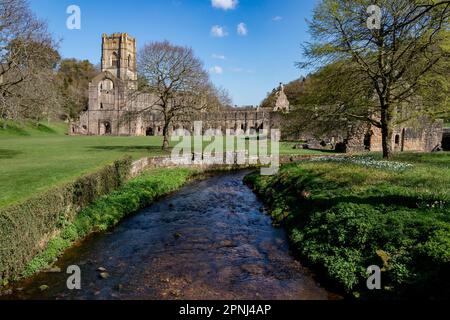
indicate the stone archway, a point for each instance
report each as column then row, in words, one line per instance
column 105, row 128
column 149, row 132
column 368, row 141
column 108, row 128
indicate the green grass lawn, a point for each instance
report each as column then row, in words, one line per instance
column 346, row 215
column 34, row 164
column 33, row 158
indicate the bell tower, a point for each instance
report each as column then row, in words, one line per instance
column 119, row 56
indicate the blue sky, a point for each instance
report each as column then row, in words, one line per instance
column 248, row 64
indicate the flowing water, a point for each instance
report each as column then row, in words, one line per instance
column 210, row 240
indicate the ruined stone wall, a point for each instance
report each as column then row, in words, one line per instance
column 423, row 136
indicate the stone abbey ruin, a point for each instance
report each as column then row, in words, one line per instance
column 114, row 95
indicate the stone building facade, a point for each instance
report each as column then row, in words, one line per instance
column 112, row 98
column 422, row 136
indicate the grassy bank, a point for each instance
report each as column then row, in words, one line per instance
column 346, row 215
column 109, row 210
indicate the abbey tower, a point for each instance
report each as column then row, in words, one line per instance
column 119, row 57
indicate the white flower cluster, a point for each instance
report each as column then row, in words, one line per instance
column 367, row 162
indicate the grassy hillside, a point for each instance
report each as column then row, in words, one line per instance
column 29, row 128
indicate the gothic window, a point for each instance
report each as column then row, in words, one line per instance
column 108, row 129
column 107, row 86
column 129, row 61
column 115, row 60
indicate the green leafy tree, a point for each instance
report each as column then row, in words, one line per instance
column 396, row 59
column 74, row 77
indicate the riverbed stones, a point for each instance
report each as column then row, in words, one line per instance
column 43, row 287
column 253, row 269
column 104, row 275
column 53, row 270
column 177, row 235
column 6, row 292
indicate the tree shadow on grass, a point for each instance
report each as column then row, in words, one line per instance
column 152, row 149
column 8, row 154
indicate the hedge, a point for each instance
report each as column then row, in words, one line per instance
column 25, row 228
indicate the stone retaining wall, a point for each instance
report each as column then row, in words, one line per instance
column 166, row 162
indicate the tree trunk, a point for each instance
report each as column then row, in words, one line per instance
column 386, row 132
column 166, row 137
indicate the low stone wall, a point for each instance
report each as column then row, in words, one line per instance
column 166, row 162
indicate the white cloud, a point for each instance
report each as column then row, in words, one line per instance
column 277, row 18
column 242, row 29
column 218, row 32
column 218, row 56
column 241, row 70
column 216, row 70
column 225, row 4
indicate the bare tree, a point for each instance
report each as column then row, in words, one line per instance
column 178, row 80
column 393, row 59
column 27, row 53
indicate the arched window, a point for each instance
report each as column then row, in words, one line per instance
column 397, row 139
column 107, row 85
column 129, row 61
column 149, row 132
column 115, row 60
column 108, row 129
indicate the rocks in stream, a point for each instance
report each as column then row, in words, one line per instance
column 6, row 292
column 104, row 275
column 43, row 287
column 53, row 270
column 177, row 235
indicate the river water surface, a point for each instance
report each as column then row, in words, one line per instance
column 210, row 240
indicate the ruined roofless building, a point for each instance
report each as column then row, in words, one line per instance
column 110, row 102
column 112, row 97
